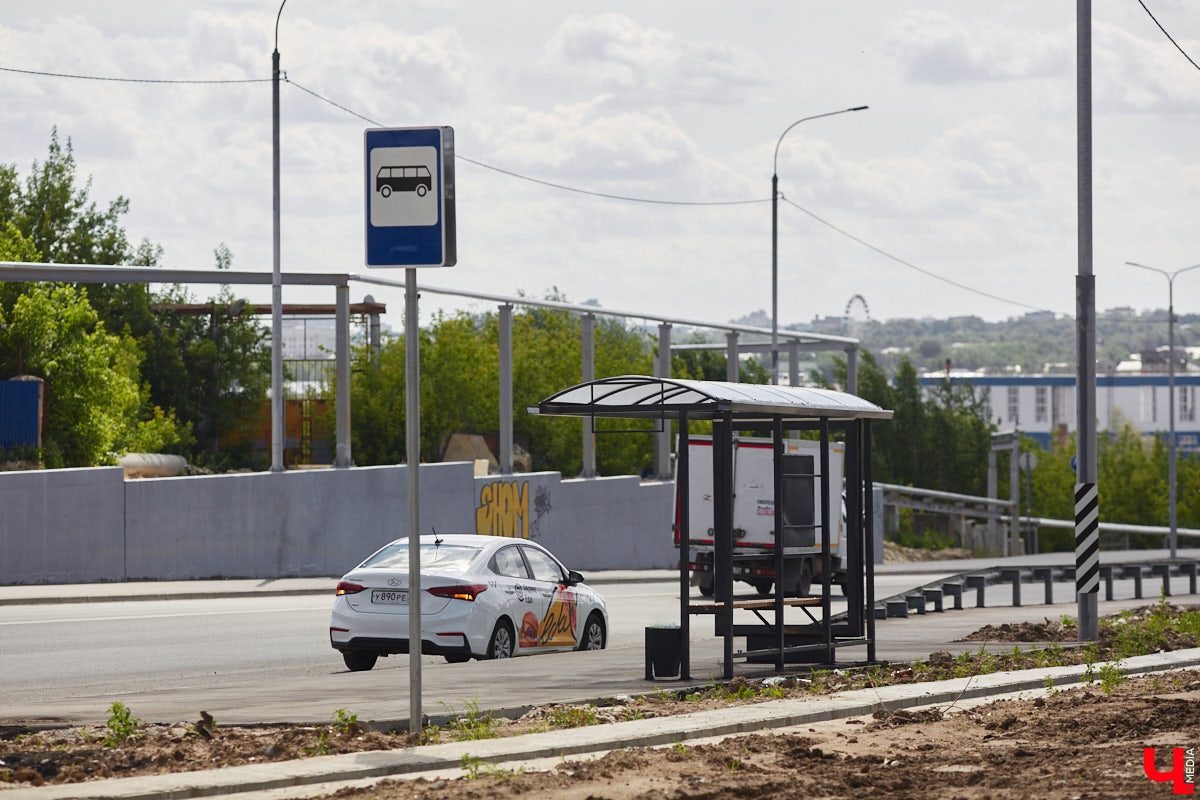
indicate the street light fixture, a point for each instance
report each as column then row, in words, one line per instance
column 1170, row 276
column 775, row 238
column 276, row 277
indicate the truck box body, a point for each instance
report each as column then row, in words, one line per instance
column 754, row 509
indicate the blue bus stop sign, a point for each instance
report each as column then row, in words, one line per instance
column 409, row 196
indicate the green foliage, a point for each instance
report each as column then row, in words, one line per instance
column 91, row 393
column 121, row 724
column 344, row 721
column 572, row 717
column 472, row 724
column 937, row 443
column 322, row 746
column 470, row 765
column 119, row 376
column 459, row 361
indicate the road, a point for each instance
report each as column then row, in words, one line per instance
column 267, row 658
column 167, row 659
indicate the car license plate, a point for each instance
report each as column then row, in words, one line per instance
column 383, row 597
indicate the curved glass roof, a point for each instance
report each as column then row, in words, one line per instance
column 641, row 396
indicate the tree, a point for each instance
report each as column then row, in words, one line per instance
column 940, row 442
column 459, row 380
column 81, row 339
column 91, row 392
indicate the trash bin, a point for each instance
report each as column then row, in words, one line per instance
column 663, row 645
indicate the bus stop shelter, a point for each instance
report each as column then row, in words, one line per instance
column 775, row 412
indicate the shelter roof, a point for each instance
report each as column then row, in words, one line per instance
column 644, row 397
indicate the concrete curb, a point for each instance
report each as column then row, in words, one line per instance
column 636, row 733
column 213, row 590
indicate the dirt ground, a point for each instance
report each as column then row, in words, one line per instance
column 1083, row 742
column 1075, row 744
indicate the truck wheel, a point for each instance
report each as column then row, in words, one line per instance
column 762, row 587
column 707, row 591
column 803, row 585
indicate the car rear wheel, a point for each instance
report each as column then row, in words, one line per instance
column 456, row 658
column 359, row 660
column 501, row 643
column 593, row 634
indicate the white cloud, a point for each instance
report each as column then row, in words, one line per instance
column 612, row 53
column 932, row 47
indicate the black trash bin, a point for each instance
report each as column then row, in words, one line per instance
column 663, row 646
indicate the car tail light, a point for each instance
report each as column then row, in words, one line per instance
column 461, row 591
column 346, row 587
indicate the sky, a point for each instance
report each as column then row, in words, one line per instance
column 953, row 194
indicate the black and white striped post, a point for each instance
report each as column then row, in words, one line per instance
column 1087, row 514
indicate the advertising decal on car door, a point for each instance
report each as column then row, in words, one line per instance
column 557, row 627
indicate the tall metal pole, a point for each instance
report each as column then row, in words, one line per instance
column 1172, row 519
column 1171, row 449
column 1087, row 513
column 412, row 447
column 277, row 406
column 775, row 239
column 775, row 276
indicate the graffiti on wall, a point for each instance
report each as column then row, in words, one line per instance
column 503, row 509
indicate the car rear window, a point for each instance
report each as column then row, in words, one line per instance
column 444, row 556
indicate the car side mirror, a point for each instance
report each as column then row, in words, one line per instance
column 573, row 578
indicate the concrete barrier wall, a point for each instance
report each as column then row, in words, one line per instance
column 270, row 525
column 599, row 523
column 62, row 526
column 71, row 526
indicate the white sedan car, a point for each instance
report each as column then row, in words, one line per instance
column 481, row 597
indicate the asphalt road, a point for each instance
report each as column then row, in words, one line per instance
column 267, row 658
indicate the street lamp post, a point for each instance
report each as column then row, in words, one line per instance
column 277, row 427
column 775, row 238
column 1170, row 276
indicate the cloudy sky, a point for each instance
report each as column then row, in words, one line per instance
column 963, row 167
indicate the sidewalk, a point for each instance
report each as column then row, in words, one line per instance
column 47, row 593
column 247, row 781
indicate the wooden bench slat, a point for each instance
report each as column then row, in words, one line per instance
column 713, row 606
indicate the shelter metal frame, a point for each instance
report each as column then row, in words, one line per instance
column 774, row 410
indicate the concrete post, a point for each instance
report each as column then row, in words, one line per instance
column 793, row 364
column 506, row 398
column 587, row 348
column 342, row 356
column 732, row 368
column 852, row 369
column 993, row 483
column 662, row 443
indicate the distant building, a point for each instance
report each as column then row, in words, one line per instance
column 1043, row 406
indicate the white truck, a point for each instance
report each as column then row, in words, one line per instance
column 754, row 510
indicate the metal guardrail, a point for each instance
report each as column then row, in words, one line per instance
column 1043, row 522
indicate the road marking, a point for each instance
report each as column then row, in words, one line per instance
column 160, row 616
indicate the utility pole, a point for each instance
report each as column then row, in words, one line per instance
column 1087, row 507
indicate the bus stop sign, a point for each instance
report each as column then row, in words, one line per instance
column 410, row 197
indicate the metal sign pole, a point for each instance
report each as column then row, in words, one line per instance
column 412, row 436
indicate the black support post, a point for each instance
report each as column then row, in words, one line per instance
column 684, row 532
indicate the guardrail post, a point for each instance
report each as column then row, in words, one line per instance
column 1165, row 571
column 1013, row 575
column 1047, row 576
column 1106, row 575
column 978, row 583
column 1134, row 571
column 1190, row 571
